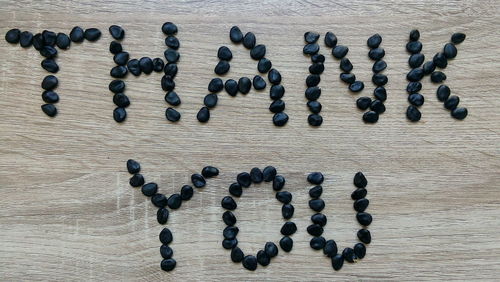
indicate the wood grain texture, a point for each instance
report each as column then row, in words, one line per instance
column 68, row 213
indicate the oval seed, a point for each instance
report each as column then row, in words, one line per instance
column 317, row 205
column 146, row 65
column 172, row 98
column 315, row 178
column 274, row 77
column 314, row 107
column 249, row 40
column 440, row 60
column 228, row 203
column 172, row 42
column 92, row 34
column 222, row 67
column 330, row 249
column 278, row 182
column 317, row 243
column 264, row 65
column 319, row 218
column 258, row 52
column 414, row 47
column 235, row 190
column 158, row 64
column 288, row 228
column 459, row 113
column 311, row 37
column 380, row 93
column 118, row 72
column 357, row 86
column 76, row 34
column 284, row 197
column 416, row 60
column 363, row 103
column 359, row 193
column 359, row 250
column 215, row 85
column 167, row 83
column 133, row 166
column 244, row 179
column 340, row 51
column 49, row 38
column 277, row 106
column 415, row 75
column 169, row 28
column 203, row 115
column 170, row 69
column 377, row 106
column 370, row 117
column 413, row 114
column 224, row 53
column 376, row 54
column 364, row 218
column 38, row 41
column 337, row 262
column 12, row 36
column 171, row 55
column 414, row 87
column 49, row 110
column 229, row 218
column 63, row 41
column 330, row 39
column 438, row 77
column 277, row 92
column 26, row 39
column 287, row 211
column 134, row 67
column 115, row 47
column 136, row 180
column 361, row 204
column 50, row 65
column 269, row 173
column 229, row 243
column 49, row 82
column 244, row 85
column 230, row 232
column 457, row 38
column 364, row 236
column 428, row 67
column 313, row 93
column 168, row 264
column 310, row 49
column 286, row 244
column 443, row 92
column 271, row 249
column 452, row 102
column 210, row 100
column 186, row 192
column 162, row 215
column 117, row 86
column 348, row 78
column 166, row 252
column 349, row 255
column 312, row 80
column 149, row 189
column 237, row 255
column 119, row 114
column 379, row 66
column 316, row 191
column 256, row 175
column 231, row 87
column 450, row 51
column 166, row 236
column 374, row 41
column 117, row 32
column 209, row 171
column 48, row 52
column 235, row 34
column 172, row 115
column 159, row 200
column 258, row 82
column 416, row 99
column 414, row 35
column 315, row 230
column 50, row 97
column 262, row 258
column 318, row 58
column 198, row 180
column 121, row 58
column 346, row 65
column 360, row 180
column 250, row 262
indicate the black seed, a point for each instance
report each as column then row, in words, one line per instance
column 119, row 114
column 379, row 79
column 172, row 115
column 271, row 249
column 210, row 100
column 379, row 66
column 50, row 65
column 76, row 34
column 428, row 67
column 50, row 97
column 348, row 78
column 450, row 51
column 250, row 262
column 229, row 218
column 172, row 98
column 286, row 244
column 231, row 87
column 312, row 80
column 118, row 72
column 228, row 203
column 166, row 236
column 349, row 255
column 413, row 114
column 360, row 250
column 345, row 65
column 49, row 110
column 198, row 180
column 315, row 229
column 264, row 65
column 357, row 86
column 377, row 106
column 313, row 93
column 287, row 211
column 133, row 166
column 317, row 204
column 330, row 248
column 50, row 82
column 121, row 58
column 158, row 64
column 209, row 171
column 203, row 115
column 440, row 60
column 229, row 243
column 38, row 41
column 285, row 197
column 317, row 243
column 317, row 68
column 457, row 38
column 438, row 77
column 376, row 54
column 278, row 182
column 288, row 228
column 414, row 35
column 172, row 42
column 311, row 37
column 224, row 53
column 117, row 32
column 222, row 67
column 115, row 47
column 237, row 254
column 359, row 193
column 370, row 117
column 274, row 76
column 235, row 34
column 314, row 106
column 48, row 52
column 159, row 200
column 340, row 51
column 361, row 204
column 414, row 47
column 63, row 41
column 262, row 258
column 235, row 189
column 452, row 102
column 310, row 49
column 146, row 65
column 249, row 40
column 364, row 236
column 316, row 191
column 319, row 219
column 277, row 106
column 363, row 103
column 136, row 180
column 26, row 39
column 167, row 83
column 415, row 75
column 256, row 175
column 215, row 85
column 315, row 178
column 12, row 36
column 244, row 179
column 337, row 262
column 244, row 85
column 416, row 99
column 258, row 52
column 186, row 192
column 230, row 232
column 380, row 93
column 360, row 180
column 459, row 113
column 374, row 41
column 168, row 264
column 134, row 67
column 416, row 60
column 318, row 58
column 269, row 173
column 277, row 92
column 166, row 252
column 170, row 69
column 330, row 39
column 92, row 34
column 162, row 215
column 169, row 28
column 49, row 38
column 414, row 87
column 171, row 55
column 121, row 100
column 258, row 82
column 117, row 86
column 364, row 218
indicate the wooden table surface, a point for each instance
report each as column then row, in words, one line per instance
column 67, row 211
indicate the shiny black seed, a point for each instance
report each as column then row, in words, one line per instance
column 203, row 115
column 317, row 243
column 413, row 87
column 330, row 39
column 438, row 77
column 413, row 114
column 364, row 236
column 50, row 97
column 166, row 236
column 317, row 204
column 357, row 86
column 63, row 41
column 170, row 69
column 228, row 203
column 186, row 192
column 312, row 80
column 169, row 28
column 244, row 85
column 416, row 99
column 146, row 65
column 363, row 103
column 121, row 100
column 288, row 228
column 50, row 65
column 134, row 67
column 428, row 67
column 38, row 41
column 450, row 51
column 235, row 34
column 167, row 83
column 244, row 179
column 249, row 40
column 349, row 255
column 269, row 173
column 278, row 182
column 271, row 249
column 230, row 232
column 318, row 58
column 359, row 180
column 287, row 211
column 315, row 178
column 256, row 175
column 224, row 53
column 117, row 86
column 277, row 106
column 414, row 47
column 117, row 32
column 92, row 34
column 237, row 254
column 370, row 117
column 380, row 93
column 414, row 35
column 315, row 229
column 115, row 47
column 416, row 60
column 415, row 75
column 48, row 52
column 162, row 215
column 277, row 92
column 314, row 106
column 172, row 98
column 317, row 68
column 348, row 78
column 340, row 51
column 210, row 100
column 345, row 65
column 231, row 87
column 229, row 243
column 274, row 76
column 258, row 82
column 209, row 171
column 310, row 49
column 121, row 58
column 118, row 72
column 452, row 102
column 235, row 189
column 133, row 166
column 198, row 180
column 376, row 54
column 12, row 36
column 26, row 39
column 119, row 114
column 166, row 252
column 49, row 110
column 222, row 67
column 172, row 42
column 379, row 66
column 359, row 193
column 374, row 41
column 250, row 262
column 229, row 218
column 364, row 218
column 284, row 196
column 171, row 55
column 379, row 79
column 215, row 85
column 361, row 204
column 311, row 37
column 337, row 262
column 330, row 248
column 360, row 250
column 313, row 93
column 262, row 258
column 50, row 82
column 319, row 219
column 136, row 180
column 258, row 52
column 457, row 38
column 168, row 264
column 172, row 115
column 286, row 244
column 316, row 191
column 377, row 106
column 440, row 60
column 264, row 65
column 49, row 38
column 76, row 34
column 158, row 64
column 459, row 113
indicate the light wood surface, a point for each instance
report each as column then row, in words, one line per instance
column 68, row 213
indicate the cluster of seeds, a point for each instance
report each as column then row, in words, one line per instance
column 244, row 84
column 173, row 202
column 170, row 69
column 45, row 42
column 418, row 71
column 319, row 220
column 244, row 180
column 313, row 92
